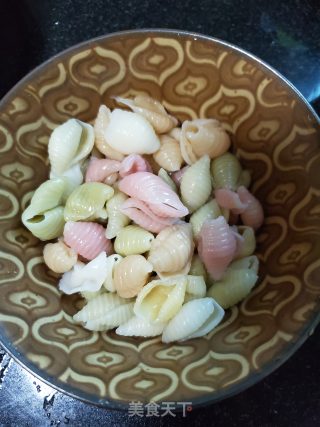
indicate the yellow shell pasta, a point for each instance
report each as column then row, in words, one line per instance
column 210, row 210
column 196, row 288
column 132, row 240
column 160, row 300
column 172, row 249
column 196, row 185
column 226, row 171
column 116, row 219
column 197, row 267
column 130, row 275
column 152, row 110
column 169, row 156
column 234, row 287
column 106, row 311
column 87, row 202
column 59, row 257
column 112, row 261
column 69, row 143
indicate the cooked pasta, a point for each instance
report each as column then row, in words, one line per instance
column 196, row 184
column 160, row 237
column 87, row 202
column 130, row 275
column 59, row 257
column 152, row 110
column 234, row 287
column 116, row 218
column 160, row 300
column 69, row 143
column 133, row 240
column 172, row 249
column 169, row 156
column 203, row 137
column 195, row 319
column 86, row 238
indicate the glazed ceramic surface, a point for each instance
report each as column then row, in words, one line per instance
column 276, row 136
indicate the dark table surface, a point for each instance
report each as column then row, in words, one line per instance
column 285, row 34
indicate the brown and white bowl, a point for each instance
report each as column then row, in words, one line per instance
column 276, row 134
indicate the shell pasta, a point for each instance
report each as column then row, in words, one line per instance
column 149, row 219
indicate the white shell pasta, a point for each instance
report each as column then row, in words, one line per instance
column 140, row 327
column 160, row 300
column 100, row 125
column 130, row 275
column 131, row 133
column 172, row 249
column 104, row 312
column 69, row 143
column 234, row 287
column 85, row 277
column 112, row 261
column 196, row 184
column 133, row 240
column 196, row 318
column 116, row 219
column 59, row 257
column 210, row 210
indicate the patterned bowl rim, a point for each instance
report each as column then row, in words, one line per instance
column 219, row 395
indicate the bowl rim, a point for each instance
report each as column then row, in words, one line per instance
column 209, row 398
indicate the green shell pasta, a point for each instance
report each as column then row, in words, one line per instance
column 226, row 171
column 210, row 210
column 87, row 202
column 133, row 240
column 47, row 225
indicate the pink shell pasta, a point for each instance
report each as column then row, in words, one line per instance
column 230, row 200
column 87, row 239
column 217, row 246
column 155, row 192
column 142, row 215
column 253, row 215
column 132, row 164
column 101, row 169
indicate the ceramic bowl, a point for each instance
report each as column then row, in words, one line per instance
column 276, row 135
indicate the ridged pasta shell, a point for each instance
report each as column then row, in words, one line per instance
column 197, row 267
column 217, row 246
column 196, row 318
column 87, row 238
column 152, row 110
column 46, row 225
column 116, row 219
column 203, row 137
column 160, row 300
column 87, row 295
column 226, row 171
column 100, row 126
column 87, row 202
column 253, row 215
column 248, row 244
column 196, row 186
column 234, row 287
column 104, row 312
column 59, row 257
column 130, row 275
column 69, row 143
column 100, row 169
column 140, row 327
column 249, row 262
column 167, row 179
column 131, row 133
column 169, row 155
column 210, row 210
column 132, row 240
column 196, row 287
column 172, row 249
column 112, row 261
column 85, row 277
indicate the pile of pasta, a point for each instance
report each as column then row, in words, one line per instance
column 154, row 222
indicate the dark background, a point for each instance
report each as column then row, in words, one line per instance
column 286, row 34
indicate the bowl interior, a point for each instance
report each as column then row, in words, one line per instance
column 277, row 138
